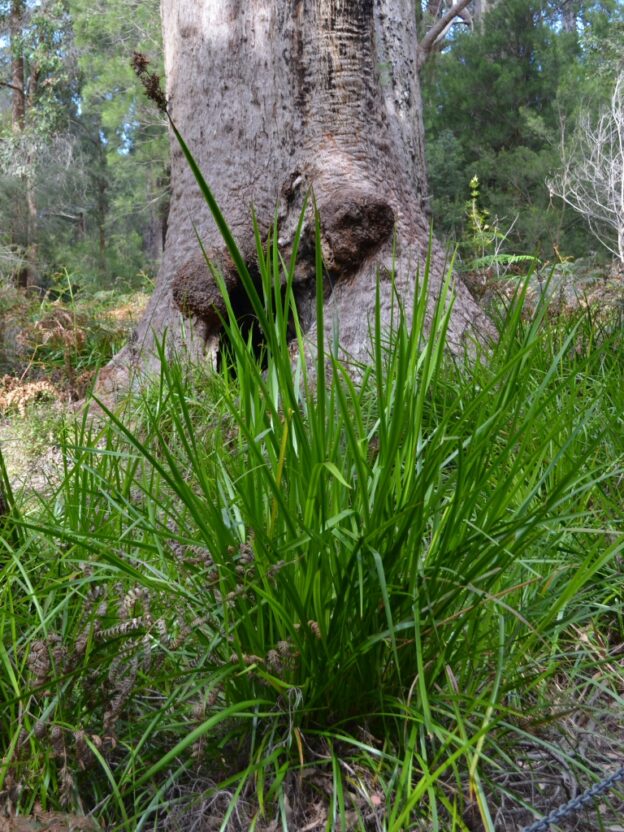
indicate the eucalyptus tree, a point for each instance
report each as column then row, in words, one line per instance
column 278, row 99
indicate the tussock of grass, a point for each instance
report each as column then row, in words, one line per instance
column 279, row 590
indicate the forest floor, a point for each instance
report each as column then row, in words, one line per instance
column 51, row 349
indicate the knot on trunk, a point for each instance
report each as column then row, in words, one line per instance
column 354, row 227
column 195, row 292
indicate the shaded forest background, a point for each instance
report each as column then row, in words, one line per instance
column 84, row 158
column 83, row 171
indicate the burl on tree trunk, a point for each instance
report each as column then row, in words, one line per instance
column 276, row 98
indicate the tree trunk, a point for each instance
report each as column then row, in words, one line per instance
column 569, row 14
column 24, row 230
column 480, row 10
column 275, row 98
column 18, row 109
column 19, row 231
column 32, row 278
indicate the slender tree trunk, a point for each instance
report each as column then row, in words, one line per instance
column 101, row 241
column 100, row 184
column 100, row 213
column 569, row 16
column 19, row 231
column 19, row 235
column 276, row 98
column 480, row 10
column 31, row 233
column 24, row 233
column 17, row 66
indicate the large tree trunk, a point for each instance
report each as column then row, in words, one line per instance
column 275, row 98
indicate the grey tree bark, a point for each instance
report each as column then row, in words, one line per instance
column 275, row 98
column 19, row 231
column 569, row 14
column 481, row 7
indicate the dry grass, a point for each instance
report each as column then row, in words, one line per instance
column 17, row 395
column 42, row 821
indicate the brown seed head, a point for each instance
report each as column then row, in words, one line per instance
column 213, row 697
column 67, row 786
column 139, row 62
column 56, row 741
column 84, row 755
column 250, row 659
column 39, row 662
column 274, row 661
column 150, row 80
column 314, row 627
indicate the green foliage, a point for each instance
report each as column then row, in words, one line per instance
column 493, row 107
column 274, row 571
column 44, row 42
column 482, row 243
column 481, row 235
column 602, row 49
column 107, row 33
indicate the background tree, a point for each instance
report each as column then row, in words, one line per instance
column 134, row 139
column 84, row 182
column 39, row 90
column 85, row 162
column 592, row 177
